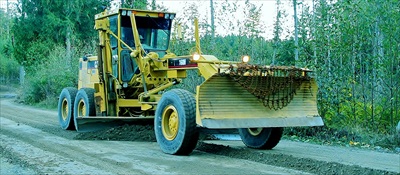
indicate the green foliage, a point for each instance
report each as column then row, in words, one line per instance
column 356, row 56
column 45, row 82
column 190, row 83
column 253, row 25
column 40, row 24
column 49, row 37
column 9, row 67
column 285, row 55
column 345, row 136
column 352, row 45
column 135, row 4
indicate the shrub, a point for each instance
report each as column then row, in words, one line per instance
column 44, row 82
column 9, row 68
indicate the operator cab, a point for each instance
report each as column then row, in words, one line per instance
column 154, row 31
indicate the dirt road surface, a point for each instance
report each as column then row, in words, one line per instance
column 33, row 143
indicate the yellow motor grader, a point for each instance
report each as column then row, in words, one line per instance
column 133, row 70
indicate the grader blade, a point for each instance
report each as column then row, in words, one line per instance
column 88, row 124
column 249, row 97
column 91, row 124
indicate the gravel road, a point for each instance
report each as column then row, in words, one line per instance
column 33, row 143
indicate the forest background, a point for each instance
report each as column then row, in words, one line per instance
column 353, row 47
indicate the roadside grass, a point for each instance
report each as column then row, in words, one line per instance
column 7, row 87
column 48, row 103
column 325, row 135
column 347, row 137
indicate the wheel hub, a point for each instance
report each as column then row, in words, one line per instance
column 255, row 131
column 170, row 123
column 81, row 109
column 64, row 109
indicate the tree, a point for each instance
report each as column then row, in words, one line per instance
column 296, row 42
column 50, row 36
column 41, row 24
column 9, row 68
column 252, row 23
column 135, row 4
column 212, row 19
column 153, row 5
column 277, row 30
column 355, row 45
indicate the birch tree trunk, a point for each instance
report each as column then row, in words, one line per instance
column 277, row 31
column 212, row 19
column 313, row 26
column 153, row 5
column 296, row 40
column 8, row 22
column 68, row 46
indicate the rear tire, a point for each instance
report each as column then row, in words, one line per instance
column 261, row 138
column 84, row 105
column 175, row 122
column 66, row 108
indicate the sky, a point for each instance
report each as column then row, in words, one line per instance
column 268, row 13
column 3, row 3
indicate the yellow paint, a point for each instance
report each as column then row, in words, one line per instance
column 146, row 107
column 220, row 101
column 128, row 103
column 172, row 73
column 170, row 123
column 221, row 98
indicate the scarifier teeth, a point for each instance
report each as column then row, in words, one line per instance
column 275, row 86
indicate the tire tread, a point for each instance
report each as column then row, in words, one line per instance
column 190, row 133
column 71, row 94
column 267, row 140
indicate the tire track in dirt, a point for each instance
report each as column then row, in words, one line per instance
column 282, row 160
column 47, row 122
column 266, row 157
column 12, row 164
column 49, row 153
column 37, row 146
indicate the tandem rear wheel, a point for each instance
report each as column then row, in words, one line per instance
column 261, row 138
column 175, row 122
column 72, row 104
column 84, row 105
column 66, row 108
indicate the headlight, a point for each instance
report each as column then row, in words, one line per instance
column 166, row 16
column 245, row 59
column 196, row 56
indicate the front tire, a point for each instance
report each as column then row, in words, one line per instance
column 66, row 108
column 261, row 138
column 175, row 122
column 84, row 105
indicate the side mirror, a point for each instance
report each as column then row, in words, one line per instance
column 85, row 57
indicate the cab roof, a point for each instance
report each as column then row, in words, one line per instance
column 137, row 12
